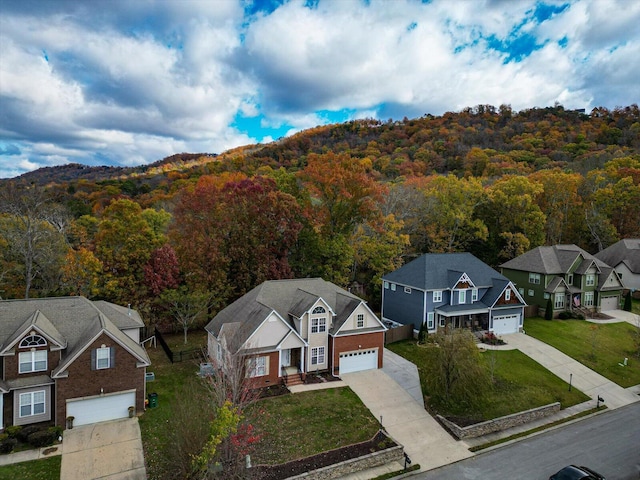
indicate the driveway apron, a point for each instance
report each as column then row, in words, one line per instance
column 105, row 451
column 565, row 367
column 406, row 420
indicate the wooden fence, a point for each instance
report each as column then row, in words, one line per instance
column 396, row 334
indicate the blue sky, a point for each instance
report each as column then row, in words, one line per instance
column 115, row 82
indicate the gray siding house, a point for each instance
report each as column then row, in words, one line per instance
column 624, row 257
column 455, row 290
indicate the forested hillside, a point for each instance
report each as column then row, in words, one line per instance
column 347, row 202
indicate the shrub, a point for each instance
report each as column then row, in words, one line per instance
column 548, row 312
column 13, row 430
column 564, row 315
column 42, row 438
column 23, row 434
column 7, row 444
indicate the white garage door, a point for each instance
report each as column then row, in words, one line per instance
column 100, row 409
column 358, row 361
column 609, row 303
column 506, row 324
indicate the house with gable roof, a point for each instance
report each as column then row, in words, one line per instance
column 568, row 275
column 69, row 357
column 452, row 290
column 287, row 329
column 624, row 257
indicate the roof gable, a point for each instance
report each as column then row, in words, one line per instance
column 625, row 251
column 36, row 322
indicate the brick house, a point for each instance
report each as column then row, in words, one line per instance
column 69, row 357
column 287, row 329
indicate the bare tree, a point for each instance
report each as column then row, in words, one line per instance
column 186, row 307
column 27, row 229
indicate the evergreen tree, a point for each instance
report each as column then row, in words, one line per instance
column 548, row 313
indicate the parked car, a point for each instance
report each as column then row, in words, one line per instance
column 573, row 472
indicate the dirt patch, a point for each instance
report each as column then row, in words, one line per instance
column 277, row 472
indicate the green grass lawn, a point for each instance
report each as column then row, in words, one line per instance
column 303, row 424
column 174, row 383
column 635, row 306
column 45, row 469
column 600, row 347
column 520, row 383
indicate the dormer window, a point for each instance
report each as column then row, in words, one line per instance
column 591, row 280
column 507, row 294
column 319, row 310
column 33, row 340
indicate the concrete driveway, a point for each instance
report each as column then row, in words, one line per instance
column 405, row 419
column 565, row 367
column 105, row 451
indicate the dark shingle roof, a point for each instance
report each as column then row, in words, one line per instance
column 287, row 298
column 439, row 271
column 550, row 260
column 625, row 251
column 70, row 321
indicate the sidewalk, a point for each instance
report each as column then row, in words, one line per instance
column 28, row 455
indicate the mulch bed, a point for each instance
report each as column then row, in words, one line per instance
column 278, row 472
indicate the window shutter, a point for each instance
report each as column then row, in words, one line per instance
column 93, row 359
column 112, row 357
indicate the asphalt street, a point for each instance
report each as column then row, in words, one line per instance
column 608, row 443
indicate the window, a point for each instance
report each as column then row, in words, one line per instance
column 521, row 290
column 531, row 293
column 588, row 299
column 393, row 287
column 462, row 296
column 258, row 366
column 33, row 361
column 437, row 296
column 559, row 301
column 474, row 295
column 534, row 278
column 32, row 403
column 546, row 295
column 507, row 294
column 219, row 352
column 407, row 289
column 442, row 321
column 570, row 279
column 591, row 280
column 103, row 358
column 386, row 285
column 319, row 310
column 430, row 321
column 317, row 356
column 360, row 321
column 318, row 325
column 33, row 340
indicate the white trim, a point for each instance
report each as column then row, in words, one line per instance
column 32, row 354
column 433, row 296
column 32, row 403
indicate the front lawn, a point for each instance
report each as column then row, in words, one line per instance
column 601, row 347
column 519, row 384
column 45, row 469
column 303, row 424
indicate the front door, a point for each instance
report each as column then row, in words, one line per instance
column 285, row 355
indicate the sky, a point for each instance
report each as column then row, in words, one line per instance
column 125, row 83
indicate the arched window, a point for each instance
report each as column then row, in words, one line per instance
column 319, row 310
column 33, row 340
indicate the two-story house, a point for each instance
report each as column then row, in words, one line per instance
column 69, row 357
column 624, row 257
column 455, row 290
column 290, row 328
column 566, row 274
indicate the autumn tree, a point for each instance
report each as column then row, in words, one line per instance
column 187, row 307
column 162, row 271
column 81, row 272
column 232, row 237
column 124, row 242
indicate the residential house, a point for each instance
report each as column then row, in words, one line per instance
column 287, row 329
column 455, row 290
column 624, row 257
column 566, row 274
column 69, row 357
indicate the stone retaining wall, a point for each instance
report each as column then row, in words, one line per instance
column 502, row 423
column 372, row 460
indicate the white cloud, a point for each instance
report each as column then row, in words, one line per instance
column 144, row 80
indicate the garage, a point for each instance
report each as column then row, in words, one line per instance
column 506, row 324
column 358, row 361
column 100, row 409
column 609, row 303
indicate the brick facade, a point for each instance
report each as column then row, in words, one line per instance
column 356, row 342
column 84, row 382
column 273, row 376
